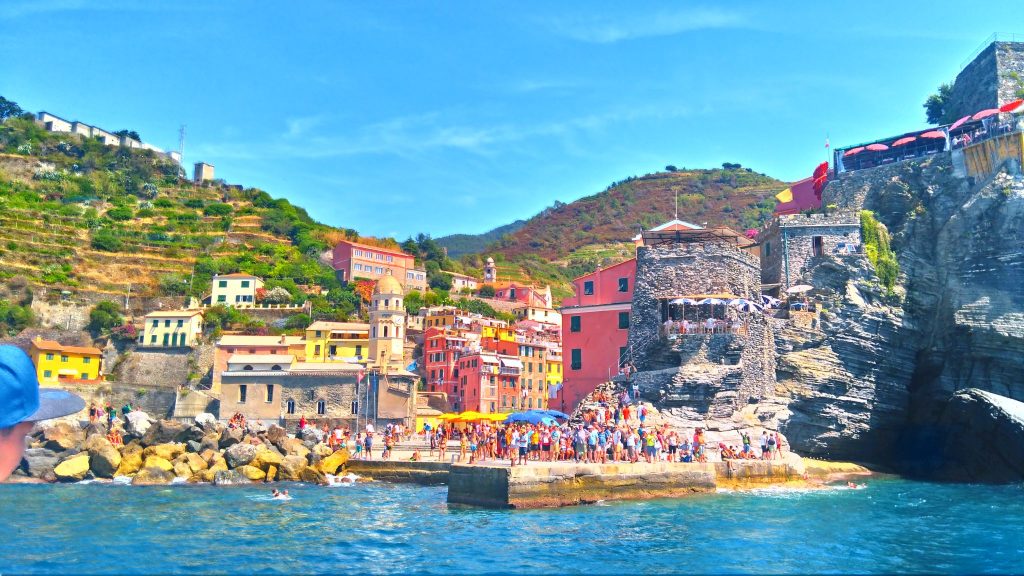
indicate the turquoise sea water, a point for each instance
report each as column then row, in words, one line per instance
column 891, row 526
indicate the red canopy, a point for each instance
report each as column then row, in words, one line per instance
column 960, row 122
column 903, row 141
column 985, row 113
column 853, row 151
column 1015, row 106
column 933, row 134
column 821, row 169
column 877, row 147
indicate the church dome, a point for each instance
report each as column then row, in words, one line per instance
column 388, row 285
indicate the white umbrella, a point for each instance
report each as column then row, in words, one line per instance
column 745, row 305
column 683, row 301
column 769, row 301
column 711, row 301
column 799, row 289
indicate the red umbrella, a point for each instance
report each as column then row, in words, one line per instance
column 960, row 122
column 903, row 141
column 853, row 151
column 1014, row 106
column 933, row 134
column 985, row 113
column 877, row 147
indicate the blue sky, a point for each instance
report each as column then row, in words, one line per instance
column 402, row 117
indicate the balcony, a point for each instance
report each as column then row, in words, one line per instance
column 509, row 371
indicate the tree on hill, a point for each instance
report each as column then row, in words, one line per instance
column 487, row 291
column 104, row 316
column 129, row 134
column 9, row 109
column 936, row 106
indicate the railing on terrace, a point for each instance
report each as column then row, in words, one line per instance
column 250, row 306
column 509, row 371
column 995, row 37
column 675, row 330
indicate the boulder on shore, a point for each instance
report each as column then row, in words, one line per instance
column 206, row 420
column 229, row 477
column 267, row 458
column 104, row 459
column 131, row 461
column 166, row 451
column 312, row 476
column 239, row 455
column 251, row 472
column 230, row 436
column 165, row 432
column 291, row 467
column 330, row 464
column 276, row 436
column 137, row 423
column 157, row 462
column 153, row 476
column 38, row 462
column 293, row 447
column 73, row 469
column 63, row 436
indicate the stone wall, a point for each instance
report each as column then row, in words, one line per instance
column 787, row 245
column 337, row 392
column 993, row 78
column 674, row 270
column 169, row 368
column 156, row 401
column 426, row 473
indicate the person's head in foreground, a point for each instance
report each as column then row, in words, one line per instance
column 22, row 404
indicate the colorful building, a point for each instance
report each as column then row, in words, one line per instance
column 595, row 329
column 352, row 260
column 463, row 282
column 487, row 383
column 234, row 289
column 172, row 328
column 56, row 363
column 238, row 345
column 524, row 294
column 337, row 342
column 538, row 314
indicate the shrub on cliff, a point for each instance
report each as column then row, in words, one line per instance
column 876, row 246
column 104, row 316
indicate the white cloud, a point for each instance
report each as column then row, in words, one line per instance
column 607, row 30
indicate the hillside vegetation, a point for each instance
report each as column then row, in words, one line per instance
column 78, row 215
column 734, row 197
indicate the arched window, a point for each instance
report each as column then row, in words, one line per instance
column 275, row 367
column 373, row 332
column 290, row 406
column 321, row 407
column 385, row 331
column 398, row 331
column 247, row 367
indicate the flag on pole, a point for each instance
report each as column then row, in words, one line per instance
column 360, row 376
column 785, row 196
column 826, row 141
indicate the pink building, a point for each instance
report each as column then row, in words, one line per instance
column 523, row 294
column 595, row 329
column 352, row 260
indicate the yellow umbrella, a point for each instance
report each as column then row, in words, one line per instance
column 471, row 416
column 497, row 417
column 447, row 417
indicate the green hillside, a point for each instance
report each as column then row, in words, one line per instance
column 461, row 244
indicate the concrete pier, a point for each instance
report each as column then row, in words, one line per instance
column 550, row 484
column 539, row 485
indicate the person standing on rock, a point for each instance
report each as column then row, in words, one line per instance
column 764, row 445
column 22, row 404
column 778, row 445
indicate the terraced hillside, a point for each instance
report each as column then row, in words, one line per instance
column 80, row 216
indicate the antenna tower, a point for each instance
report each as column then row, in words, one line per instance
column 181, row 144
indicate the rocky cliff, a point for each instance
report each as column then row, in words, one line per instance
column 957, row 320
column 870, row 376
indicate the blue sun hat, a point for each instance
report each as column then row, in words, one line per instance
column 21, row 399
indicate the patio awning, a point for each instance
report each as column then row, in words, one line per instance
column 511, row 363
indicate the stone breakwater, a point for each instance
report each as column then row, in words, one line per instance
column 541, row 484
column 158, row 452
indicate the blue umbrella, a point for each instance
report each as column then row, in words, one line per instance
column 552, row 413
column 530, row 418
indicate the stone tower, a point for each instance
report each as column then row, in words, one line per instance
column 387, row 325
column 490, row 271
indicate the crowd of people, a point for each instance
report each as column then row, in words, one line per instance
column 603, row 436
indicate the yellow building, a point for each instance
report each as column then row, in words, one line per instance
column 554, row 365
column 337, row 342
column 234, row 289
column 55, row 362
column 172, row 328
